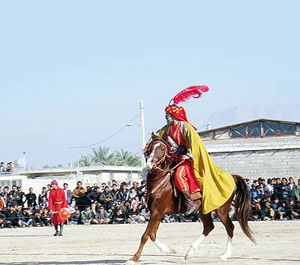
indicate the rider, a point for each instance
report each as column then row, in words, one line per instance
column 197, row 168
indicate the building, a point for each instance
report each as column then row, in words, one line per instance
column 258, row 148
column 88, row 175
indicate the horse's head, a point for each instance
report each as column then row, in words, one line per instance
column 157, row 152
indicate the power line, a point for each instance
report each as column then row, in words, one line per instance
column 105, row 139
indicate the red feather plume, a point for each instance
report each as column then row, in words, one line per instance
column 192, row 91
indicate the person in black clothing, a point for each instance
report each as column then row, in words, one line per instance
column 46, row 217
column 123, row 193
column 119, row 217
column 106, row 198
column 94, row 198
column 37, row 219
column 11, row 217
column 114, row 192
column 31, row 198
column 11, row 200
column 19, row 195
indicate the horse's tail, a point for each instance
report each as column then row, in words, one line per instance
column 242, row 206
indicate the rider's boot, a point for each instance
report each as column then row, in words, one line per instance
column 190, row 205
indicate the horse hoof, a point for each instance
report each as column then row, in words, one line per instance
column 173, row 251
column 224, row 257
column 130, row 262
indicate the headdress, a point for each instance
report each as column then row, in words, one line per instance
column 54, row 182
column 184, row 95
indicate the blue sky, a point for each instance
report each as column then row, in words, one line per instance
column 73, row 72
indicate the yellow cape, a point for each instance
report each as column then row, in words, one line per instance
column 216, row 184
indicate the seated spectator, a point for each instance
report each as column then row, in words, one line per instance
column 102, row 216
column 268, row 212
column 283, row 211
column 88, row 217
column 2, row 220
column 46, row 217
column 134, row 216
column 132, row 194
column 75, row 217
column 256, row 213
column 114, row 192
column 291, row 212
column 119, row 217
column 24, row 218
column 135, row 202
column 37, row 219
column 11, row 217
column 146, row 214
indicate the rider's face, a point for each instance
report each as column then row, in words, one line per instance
column 169, row 118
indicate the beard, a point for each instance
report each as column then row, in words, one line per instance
column 169, row 119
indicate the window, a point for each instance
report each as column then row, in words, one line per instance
column 270, row 128
column 287, row 129
column 253, row 130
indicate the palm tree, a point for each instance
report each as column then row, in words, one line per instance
column 124, row 158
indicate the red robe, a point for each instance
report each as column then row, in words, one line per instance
column 184, row 175
column 57, row 200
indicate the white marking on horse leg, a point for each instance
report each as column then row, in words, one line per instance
column 227, row 253
column 164, row 248
column 193, row 247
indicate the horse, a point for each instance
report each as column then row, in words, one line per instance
column 161, row 201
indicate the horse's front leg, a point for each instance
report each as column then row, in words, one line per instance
column 151, row 225
column 161, row 246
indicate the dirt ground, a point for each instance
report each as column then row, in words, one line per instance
column 277, row 243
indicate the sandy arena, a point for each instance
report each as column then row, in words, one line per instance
column 278, row 243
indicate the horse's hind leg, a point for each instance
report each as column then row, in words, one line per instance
column 229, row 226
column 151, row 225
column 208, row 226
column 161, row 246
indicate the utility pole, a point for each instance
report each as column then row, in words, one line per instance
column 143, row 142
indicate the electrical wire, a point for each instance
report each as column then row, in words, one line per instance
column 105, row 139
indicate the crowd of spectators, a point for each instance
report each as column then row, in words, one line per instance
column 6, row 169
column 276, row 199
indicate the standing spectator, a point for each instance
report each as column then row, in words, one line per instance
column 88, row 217
column 2, row 168
column 9, row 167
column 291, row 189
column 31, row 198
column 19, row 196
column 68, row 193
column 94, row 198
column 79, row 194
column 297, row 191
column 106, row 199
column 5, row 194
column 57, row 201
column 42, row 195
column 13, row 190
column 48, row 191
column 284, row 190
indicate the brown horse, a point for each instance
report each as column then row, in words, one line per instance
column 161, row 200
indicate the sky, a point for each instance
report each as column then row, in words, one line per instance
column 72, row 73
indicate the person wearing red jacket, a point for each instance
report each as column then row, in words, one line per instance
column 57, row 201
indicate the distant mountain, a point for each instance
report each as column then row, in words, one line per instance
column 241, row 114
